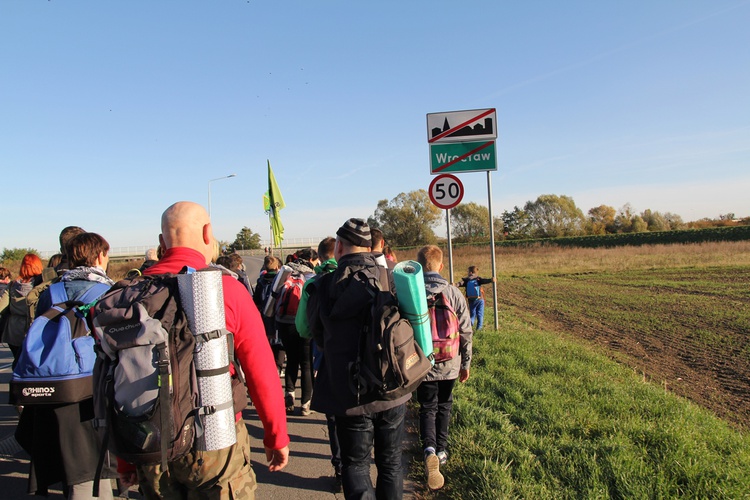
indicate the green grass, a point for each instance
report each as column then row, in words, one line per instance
column 545, row 417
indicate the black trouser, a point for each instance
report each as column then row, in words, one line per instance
column 298, row 359
column 435, row 404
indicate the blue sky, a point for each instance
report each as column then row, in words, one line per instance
column 111, row 111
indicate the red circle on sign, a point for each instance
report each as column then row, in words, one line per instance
column 446, row 191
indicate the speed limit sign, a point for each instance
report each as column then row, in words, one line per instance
column 446, row 191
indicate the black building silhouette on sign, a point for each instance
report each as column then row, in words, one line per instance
column 466, row 131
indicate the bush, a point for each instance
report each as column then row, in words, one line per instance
column 14, row 254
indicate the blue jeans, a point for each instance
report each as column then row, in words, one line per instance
column 357, row 435
column 476, row 311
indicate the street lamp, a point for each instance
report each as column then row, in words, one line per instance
column 209, row 190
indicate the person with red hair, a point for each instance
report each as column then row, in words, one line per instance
column 14, row 300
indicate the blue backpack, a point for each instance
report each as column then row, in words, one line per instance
column 57, row 359
column 473, row 289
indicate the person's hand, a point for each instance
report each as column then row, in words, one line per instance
column 463, row 375
column 277, row 458
column 128, row 479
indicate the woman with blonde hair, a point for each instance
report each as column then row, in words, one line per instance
column 14, row 300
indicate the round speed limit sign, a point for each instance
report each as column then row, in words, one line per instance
column 446, row 191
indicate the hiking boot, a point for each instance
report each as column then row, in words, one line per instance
column 305, row 409
column 443, row 457
column 289, row 402
column 435, row 479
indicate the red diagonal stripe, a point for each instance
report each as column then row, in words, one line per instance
column 451, row 130
column 465, row 155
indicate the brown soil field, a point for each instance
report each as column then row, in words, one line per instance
column 677, row 315
column 715, row 378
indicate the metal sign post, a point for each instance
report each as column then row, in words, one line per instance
column 492, row 251
column 450, row 246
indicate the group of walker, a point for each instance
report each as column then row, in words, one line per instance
column 321, row 340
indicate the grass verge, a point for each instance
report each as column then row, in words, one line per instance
column 545, row 417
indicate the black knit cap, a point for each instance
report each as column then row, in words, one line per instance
column 356, row 232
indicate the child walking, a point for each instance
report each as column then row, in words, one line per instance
column 475, row 294
column 452, row 342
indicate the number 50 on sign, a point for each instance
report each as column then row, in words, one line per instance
column 446, row 191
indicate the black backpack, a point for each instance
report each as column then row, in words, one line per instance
column 390, row 364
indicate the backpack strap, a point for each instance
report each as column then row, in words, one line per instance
column 57, row 293
column 165, row 408
column 94, row 292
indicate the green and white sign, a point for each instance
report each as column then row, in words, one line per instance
column 463, row 157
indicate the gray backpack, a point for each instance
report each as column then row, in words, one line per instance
column 145, row 392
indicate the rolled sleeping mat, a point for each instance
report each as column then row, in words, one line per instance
column 412, row 302
column 269, row 308
column 202, row 297
column 215, row 395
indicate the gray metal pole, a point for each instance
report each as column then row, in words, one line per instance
column 450, row 245
column 492, row 249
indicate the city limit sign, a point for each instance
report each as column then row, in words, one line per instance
column 462, row 126
column 463, row 157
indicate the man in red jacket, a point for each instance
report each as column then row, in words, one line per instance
column 188, row 240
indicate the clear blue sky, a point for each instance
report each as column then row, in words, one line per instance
column 111, row 111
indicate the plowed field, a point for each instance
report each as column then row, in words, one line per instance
column 686, row 329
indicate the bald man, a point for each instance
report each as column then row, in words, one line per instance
column 187, row 239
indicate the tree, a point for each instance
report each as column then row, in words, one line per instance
column 470, row 222
column 624, row 219
column 498, row 228
column 408, row 219
column 674, row 221
column 515, row 224
column 552, row 216
column 246, row 240
column 15, row 254
column 654, row 221
column 602, row 220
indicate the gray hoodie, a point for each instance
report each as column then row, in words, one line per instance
column 448, row 370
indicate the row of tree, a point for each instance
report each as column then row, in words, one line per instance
column 410, row 219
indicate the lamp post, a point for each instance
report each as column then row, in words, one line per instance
column 209, row 189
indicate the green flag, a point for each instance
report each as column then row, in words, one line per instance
column 266, row 203
column 276, row 203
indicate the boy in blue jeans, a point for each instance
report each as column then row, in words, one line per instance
column 452, row 342
column 475, row 294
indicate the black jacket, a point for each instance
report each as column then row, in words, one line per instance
column 336, row 310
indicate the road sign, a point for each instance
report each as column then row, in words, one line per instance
column 446, row 191
column 463, row 157
column 462, row 126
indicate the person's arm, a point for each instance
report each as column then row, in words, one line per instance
column 5, row 300
column 300, row 320
column 466, row 336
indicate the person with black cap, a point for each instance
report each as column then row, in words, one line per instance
column 337, row 311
